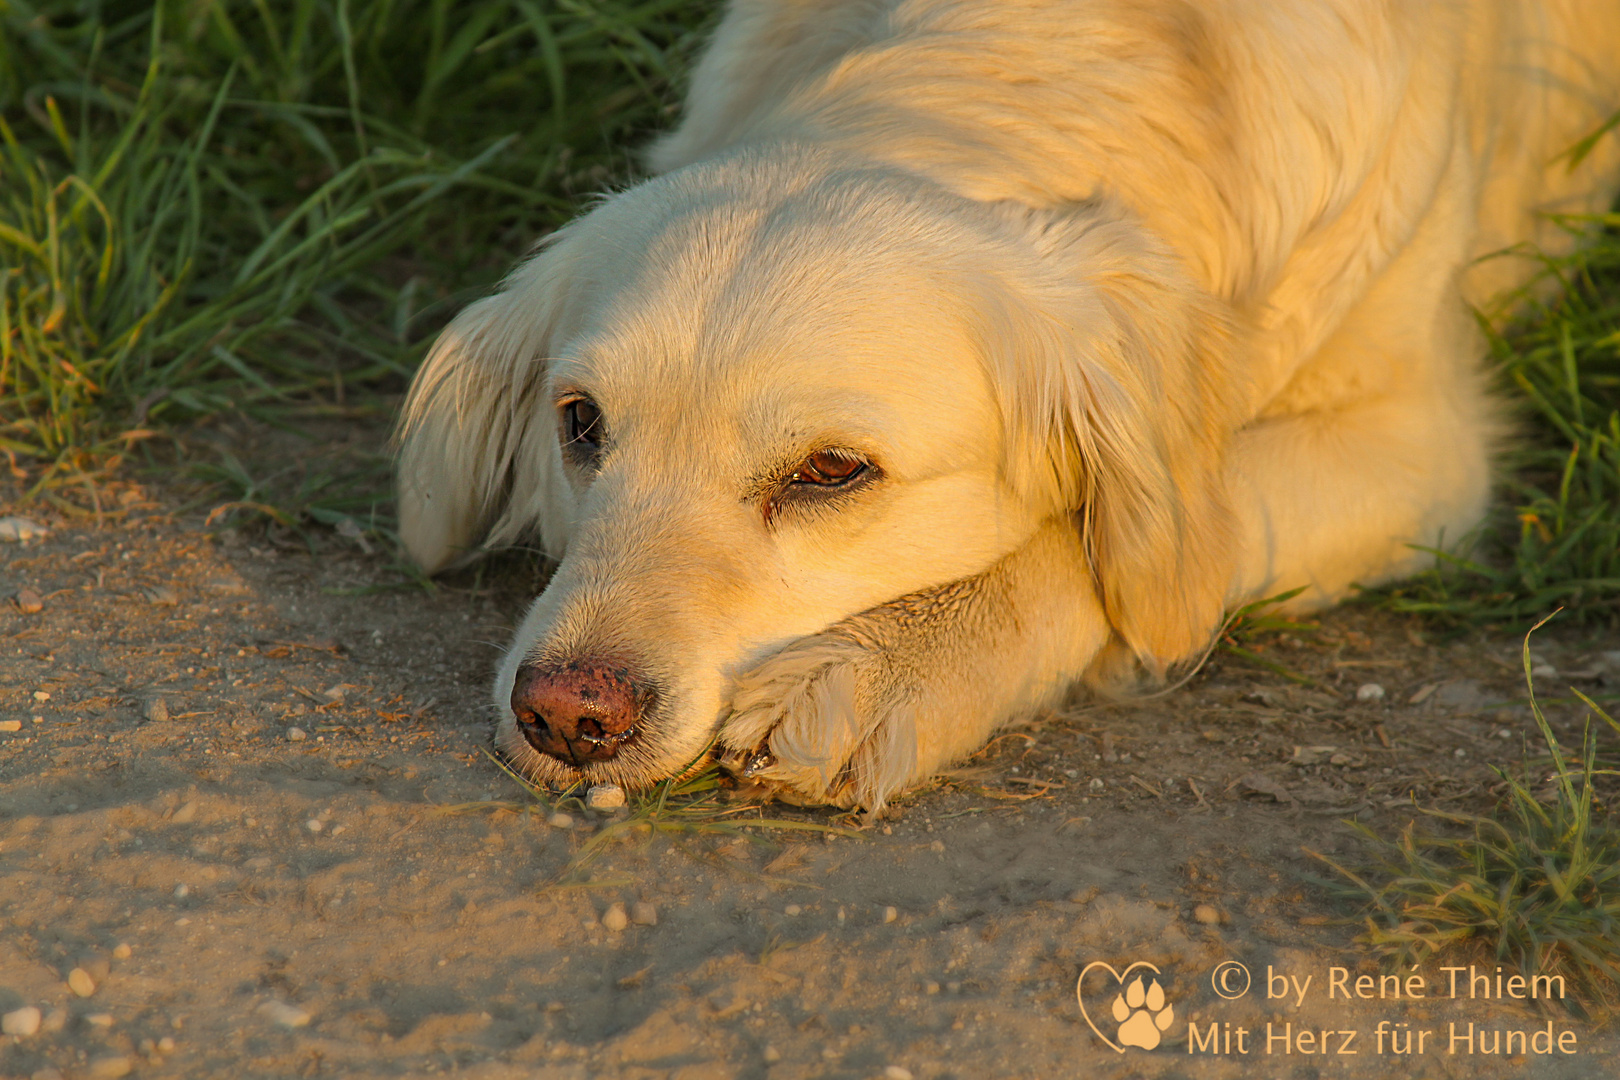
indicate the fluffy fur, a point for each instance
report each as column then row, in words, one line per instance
column 1133, row 310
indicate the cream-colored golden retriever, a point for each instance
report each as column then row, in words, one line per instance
column 965, row 349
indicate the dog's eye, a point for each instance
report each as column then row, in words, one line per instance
column 828, row 469
column 582, row 426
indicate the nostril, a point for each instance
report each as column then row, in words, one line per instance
column 577, row 712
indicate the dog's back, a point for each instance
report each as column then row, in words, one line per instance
column 1260, row 138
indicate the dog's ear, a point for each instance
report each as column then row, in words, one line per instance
column 476, row 461
column 1120, row 401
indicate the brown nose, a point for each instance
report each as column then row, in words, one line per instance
column 576, row 713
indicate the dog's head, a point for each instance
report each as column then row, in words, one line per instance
column 744, row 401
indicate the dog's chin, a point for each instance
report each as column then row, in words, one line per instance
column 640, row 768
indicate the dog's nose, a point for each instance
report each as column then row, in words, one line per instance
column 577, row 713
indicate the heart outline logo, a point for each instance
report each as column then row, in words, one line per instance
column 1120, row 977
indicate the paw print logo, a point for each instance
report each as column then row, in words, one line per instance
column 1140, row 1010
column 1142, row 1014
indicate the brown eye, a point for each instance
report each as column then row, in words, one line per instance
column 828, row 469
column 582, row 426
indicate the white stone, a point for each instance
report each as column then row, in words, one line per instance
column 614, row 918
column 288, row 1016
column 21, row 1022
column 296, row 734
column 20, row 530
column 560, row 820
column 110, row 1067
column 1369, row 692
column 605, row 797
column 80, row 982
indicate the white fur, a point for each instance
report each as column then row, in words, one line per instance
column 1141, row 307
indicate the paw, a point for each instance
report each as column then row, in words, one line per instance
column 825, row 721
column 1142, row 1014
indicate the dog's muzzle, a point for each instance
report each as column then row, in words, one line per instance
column 578, row 712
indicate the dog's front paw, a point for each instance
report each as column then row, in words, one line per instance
column 825, row 720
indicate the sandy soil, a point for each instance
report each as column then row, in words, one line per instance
column 377, row 899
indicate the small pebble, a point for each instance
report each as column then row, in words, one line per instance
column 80, row 982
column 182, row 891
column 157, row 710
column 100, row 1020
column 110, row 1066
column 890, row 914
column 953, row 987
column 1096, row 785
column 1206, row 914
column 296, row 734
column 10, row 725
column 21, row 1022
column 314, row 824
column 643, row 914
column 122, row 951
column 560, row 820
column 793, row 910
column 605, row 797
column 1369, row 692
column 165, row 1045
column 20, row 530
column 42, row 695
column 772, row 1055
column 186, row 814
column 614, row 918
column 55, row 1021
column 29, row 602
column 930, row 988
column 938, row 846
column 288, row 1016
column 896, row 1072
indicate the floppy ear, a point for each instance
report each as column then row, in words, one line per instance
column 477, row 463
column 1120, row 397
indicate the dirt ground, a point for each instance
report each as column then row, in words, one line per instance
column 248, row 828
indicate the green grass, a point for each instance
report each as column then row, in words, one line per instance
column 1556, row 540
column 216, row 206
column 685, row 809
column 1536, row 885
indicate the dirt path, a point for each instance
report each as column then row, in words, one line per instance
column 303, row 864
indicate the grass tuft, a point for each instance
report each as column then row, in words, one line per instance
column 213, row 206
column 1536, row 885
column 1557, row 542
column 692, row 804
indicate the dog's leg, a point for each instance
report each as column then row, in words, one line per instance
column 1337, row 499
column 884, row 698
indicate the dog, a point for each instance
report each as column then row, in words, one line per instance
column 960, row 352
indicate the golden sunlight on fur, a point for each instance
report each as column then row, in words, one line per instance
column 966, row 349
